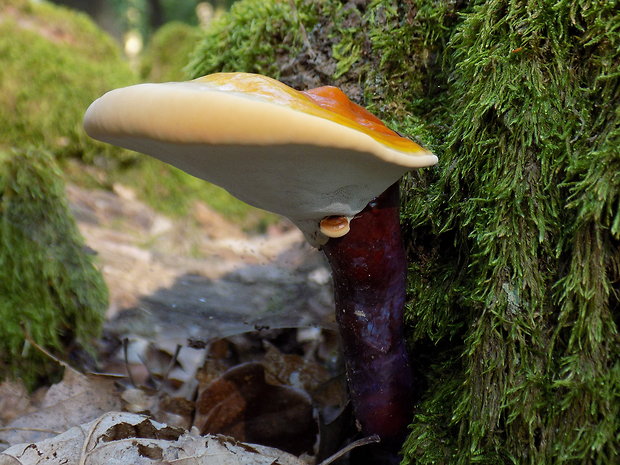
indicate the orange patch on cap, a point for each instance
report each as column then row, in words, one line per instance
column 326, row 102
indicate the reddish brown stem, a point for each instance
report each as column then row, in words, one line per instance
column 369, row 271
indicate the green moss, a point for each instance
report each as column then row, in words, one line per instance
column 168, row 52
column 242, row 40
column 53, row 64
column 525, row 213
column 49, row 286
column 514, row 238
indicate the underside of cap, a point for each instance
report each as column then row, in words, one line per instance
column 292, row 180
column 269, row 155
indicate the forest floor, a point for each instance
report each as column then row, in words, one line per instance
column 209, row 329
column 199, row 277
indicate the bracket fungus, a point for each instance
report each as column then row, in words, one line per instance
column 317, row 158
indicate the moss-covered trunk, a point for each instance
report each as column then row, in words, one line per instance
column 519, row 240
column 514, row 238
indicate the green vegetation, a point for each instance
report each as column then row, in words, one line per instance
column 514, row 237
column 147, row 16
column 50, row 289
column 168, row 53
column 242, row 40
column 53, row 63
column 525, row 216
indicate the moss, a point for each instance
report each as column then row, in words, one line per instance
column 532, row 269
column 168, row 52
column 50, row 288
column 250, row 38
column 53, row 64
column 352, row 45
column 514, row 239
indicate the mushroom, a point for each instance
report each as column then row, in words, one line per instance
column 328, row 165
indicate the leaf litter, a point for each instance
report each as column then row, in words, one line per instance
column 272, row 381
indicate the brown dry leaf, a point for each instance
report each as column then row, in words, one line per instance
column 242, row 404
column 218, row 359
column 165, row 393
column 14, row 401
column 137, row 400
column 75, row 400
column 163, row 365
column 126, row 438
column 174, row 411
column 301, row 373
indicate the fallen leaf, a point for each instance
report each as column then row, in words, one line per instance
column 242, row 404
column 301, row 373
column 125, row 438
column 75, row 400
column 14, row 401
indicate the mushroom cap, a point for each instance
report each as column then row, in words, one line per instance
column 304, row 155
column 335, row 226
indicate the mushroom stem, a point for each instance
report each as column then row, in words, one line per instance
column 369, row 272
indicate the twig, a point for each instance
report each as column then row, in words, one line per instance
column 46, row 352
column 360, row 442
column 127, row 366
column 172, row 363
column 107, row 375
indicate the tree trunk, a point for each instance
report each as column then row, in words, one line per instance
column 514, row 238
column 156, row 15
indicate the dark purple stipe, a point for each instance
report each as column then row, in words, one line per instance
column 369, row 272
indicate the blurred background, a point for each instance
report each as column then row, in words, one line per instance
column 133, row 22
